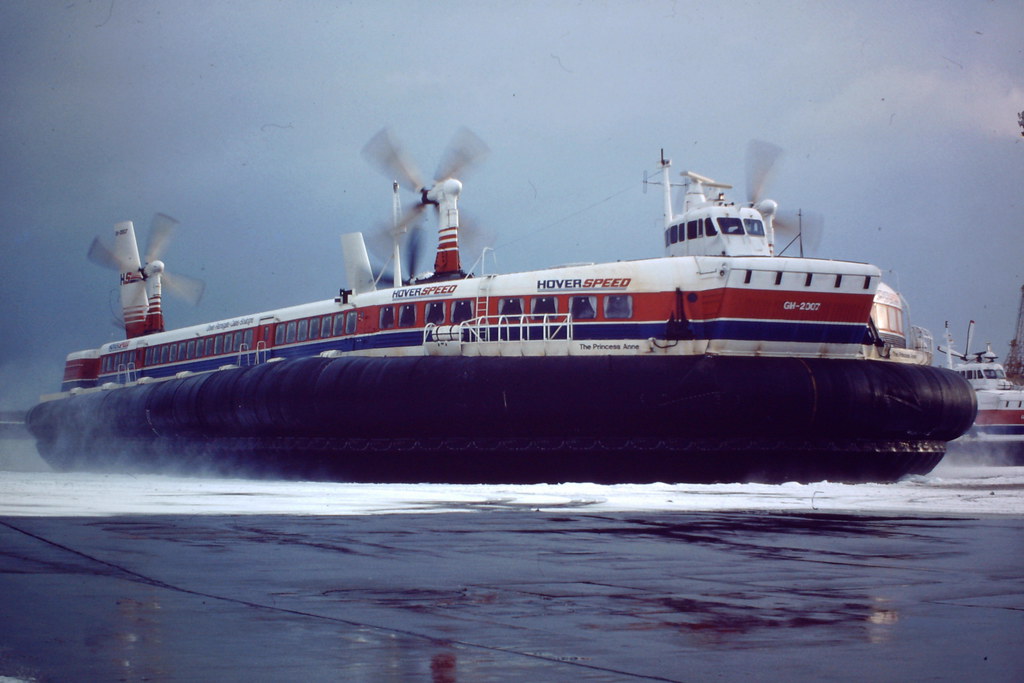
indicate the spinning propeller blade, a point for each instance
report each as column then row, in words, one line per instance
column 761, row 159
column 383, row 153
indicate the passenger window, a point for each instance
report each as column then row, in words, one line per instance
column 618, row 306
column 238, row 341
column 181, row 350
column 462, row 310
column 709, row 227
column 435, row 312
column 173, row 356
column 350, row 322
column 583, row 307
column 290, row 331
column 339, row 324
column 510, row 306
column 303, row 333
column 190, row 350
column 326, row 326
column 247, row 337
column 314, row 328
column 544, row 305
column 407, row 315
column 209, row 347
column 387, row 317
column 278, row 336
column 227, row 343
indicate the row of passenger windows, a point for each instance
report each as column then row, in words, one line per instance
column 616, row 307
column 613, row 306
column 705, row 227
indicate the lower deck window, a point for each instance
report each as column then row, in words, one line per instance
column 387, row 317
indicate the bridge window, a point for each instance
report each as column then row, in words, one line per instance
column 618, row 306
column 462, row 310
column 673, row 233
column 709, row 227
column 753, row 226
column 407, row 315
column 435, row 312
column 730, row 225
column 303, row 331
column 668, row 241
column 692, row 230
column 543, row 305
column 387, row 317
column 350, row 322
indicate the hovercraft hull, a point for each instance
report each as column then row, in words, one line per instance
column 522, row 420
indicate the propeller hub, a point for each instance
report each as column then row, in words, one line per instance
column 154, row 268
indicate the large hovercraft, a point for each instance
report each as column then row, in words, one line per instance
column 719, row 361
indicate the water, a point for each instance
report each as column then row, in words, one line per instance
column 29, row 488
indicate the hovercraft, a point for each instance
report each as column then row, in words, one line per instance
column 718, row 361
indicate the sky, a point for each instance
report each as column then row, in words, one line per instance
column 245, row 120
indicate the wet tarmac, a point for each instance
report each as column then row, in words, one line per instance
column 513, row 593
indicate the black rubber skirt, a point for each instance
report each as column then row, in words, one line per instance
column 520, row 420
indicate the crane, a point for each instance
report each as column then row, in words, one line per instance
column 1015, row 359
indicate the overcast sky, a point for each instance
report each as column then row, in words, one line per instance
column 245, row 120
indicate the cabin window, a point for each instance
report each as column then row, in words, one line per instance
column 326, row 326
column 673, row 233
column 387, row 317
column 730, row 225
column 511, row 305
column 990, row 374
column 435, row 312
column 350, row 322
column 407, row 315
column 692, row 230
column 709, row 227
column 290, row 331
column 583, row 307
column 753, row 226
column 618, row 306
column 462, row 310
column 190, row 350
column 303, row 333
column 339, row 324
column 544, row 305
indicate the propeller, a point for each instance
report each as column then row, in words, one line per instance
column 385, row 154
column 803, row 226
column 161, row 229
column 761, row 159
